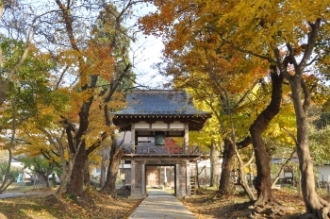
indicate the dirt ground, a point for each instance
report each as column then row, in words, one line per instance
column 236, row 207
column 93, row 206
column 98, row 206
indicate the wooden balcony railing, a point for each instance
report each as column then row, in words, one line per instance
column 162, row 150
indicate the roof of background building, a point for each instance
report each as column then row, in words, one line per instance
column 160, row 105
column 160, row 102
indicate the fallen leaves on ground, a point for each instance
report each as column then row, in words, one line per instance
column 236, row 206
column 93, row 205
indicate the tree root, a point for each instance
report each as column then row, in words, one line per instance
column 323, row 213
column 270, row 210
column 220, row 195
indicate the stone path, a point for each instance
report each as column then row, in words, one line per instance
column 161, row 205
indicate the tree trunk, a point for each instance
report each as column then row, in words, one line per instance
column 66, row 175
column 215, row 165
column 241, row 175
column 315, row 205
column 113, row 167
column 263, row 179
column 44, row 176
column 77, row 175
column 105, row 157
column 197, row 176
column 5, row 180
column 263, row 183
column 245, row 185
column 87, row 174
column 3, row 88
column 225, row 179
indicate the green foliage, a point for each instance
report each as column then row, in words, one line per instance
column 319, row 144
column 13, row 173
column 40, row 165
column 108, row 33
column 323, row 121
column 71, row 197
column 31, row 89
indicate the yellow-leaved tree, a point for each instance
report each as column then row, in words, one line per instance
column 198, row 57
column 291, row 36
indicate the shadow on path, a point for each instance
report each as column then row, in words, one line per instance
column 20, row 194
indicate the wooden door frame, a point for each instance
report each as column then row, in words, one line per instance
column 162, row 165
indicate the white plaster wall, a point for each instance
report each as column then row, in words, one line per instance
column 159, row 125
column 141, row 125
column 176, row 125
column 323, row 173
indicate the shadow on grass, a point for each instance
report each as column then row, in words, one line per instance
column 27, row 207
column 94, row 205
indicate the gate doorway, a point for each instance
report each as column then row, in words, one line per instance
column 160, row 178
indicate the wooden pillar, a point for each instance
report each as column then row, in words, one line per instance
column 177, row 181
column 188, row 178
column 133, row 138
column 186, row 137
column 165, row 176
column 143, row 180
column 132, row 177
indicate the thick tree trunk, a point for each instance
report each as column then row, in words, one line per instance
column 87, row 176
column 225, row 179
column 263, row 180
column 316, row 207
column 215, row 165
column 114, row 162
column 77, row 175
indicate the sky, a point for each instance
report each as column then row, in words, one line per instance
column 146, row 51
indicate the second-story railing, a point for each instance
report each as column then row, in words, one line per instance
column 162, row 150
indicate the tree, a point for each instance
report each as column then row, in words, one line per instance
column 287, row 34
column 16, row 45
column 98, row 61
column 199, row 60
column 89, row 47
column 110, row 32
column 40, row 166
column 24, row 92
column 263, row 180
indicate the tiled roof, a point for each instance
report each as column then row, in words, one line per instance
column 160, row 102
